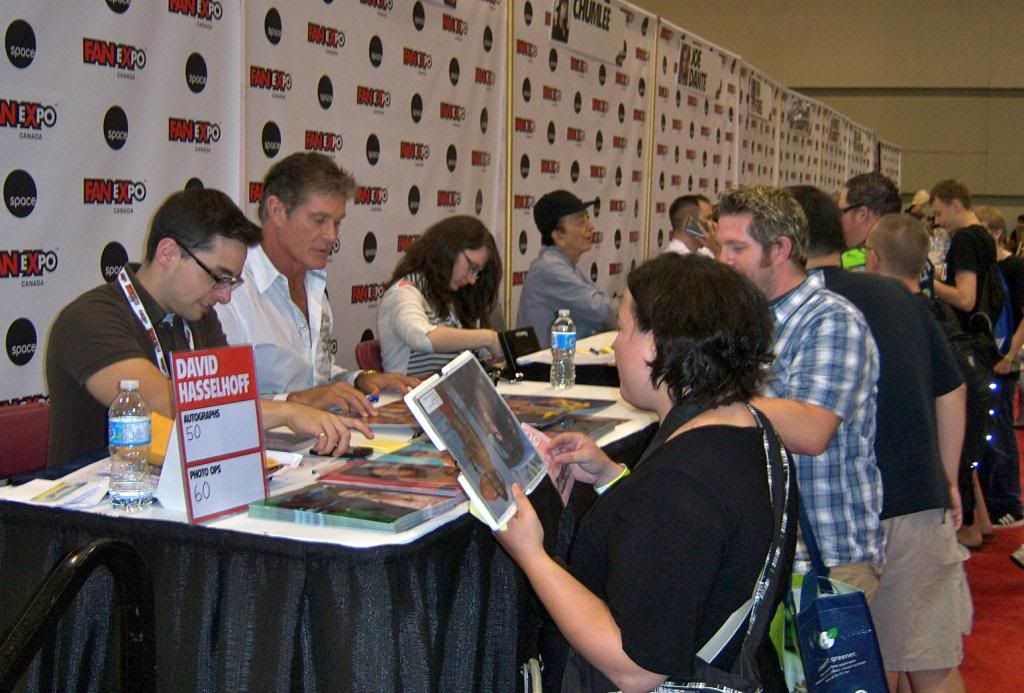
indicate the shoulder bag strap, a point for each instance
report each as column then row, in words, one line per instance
column 757, row 611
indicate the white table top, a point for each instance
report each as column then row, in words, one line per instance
column 595, row 350
column 305, row 474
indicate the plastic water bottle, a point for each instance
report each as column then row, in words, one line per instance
column 128, row 435
column 563, row 351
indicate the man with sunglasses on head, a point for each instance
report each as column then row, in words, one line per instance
column 555, row 280
column 692, row 226
column 864, row 200
column 127, row 328
column 283, row 309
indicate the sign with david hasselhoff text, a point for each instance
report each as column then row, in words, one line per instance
column 219, row 430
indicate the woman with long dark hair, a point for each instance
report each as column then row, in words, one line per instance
column 670, row 551
column 439, row 298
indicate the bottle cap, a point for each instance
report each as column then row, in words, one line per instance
column 563, row 312
column 129, row 384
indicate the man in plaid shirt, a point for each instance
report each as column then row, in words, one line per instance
column 826, row 368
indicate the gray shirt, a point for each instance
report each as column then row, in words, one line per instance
column 554, row 281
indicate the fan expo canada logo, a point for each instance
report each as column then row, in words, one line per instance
column 120, row 194
column 21, row 341
column 27, row 265
column 277, row 82
column 20, row 195
column 331, row 38
column 125, row 59
column 29, row 117
column 203, row 134
column 20, row 44
column 205, row 12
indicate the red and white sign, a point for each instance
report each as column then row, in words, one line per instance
column 219, row 432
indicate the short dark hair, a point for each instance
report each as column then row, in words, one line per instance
column 433, row 256
column 713, row 344
column 687, row 204
column 775, row 214
column 824, row 227
column 875, row 192
column 949, row 189
column 194, row 217
column 901, row 242
column 293, row 179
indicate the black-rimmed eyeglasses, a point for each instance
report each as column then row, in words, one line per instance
column 220, row 281
column 844, row 210
column 474, row 268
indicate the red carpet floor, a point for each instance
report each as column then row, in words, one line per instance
column 994, row 651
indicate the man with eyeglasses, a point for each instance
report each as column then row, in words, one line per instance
column 555, row 280
column 126, row 329
column 283, row 309
column 864, row 200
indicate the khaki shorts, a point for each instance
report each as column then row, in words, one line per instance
column 865, row 576
column 923, row 606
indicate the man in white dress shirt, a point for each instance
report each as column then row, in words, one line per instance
column 684, row 238
column 282, row 309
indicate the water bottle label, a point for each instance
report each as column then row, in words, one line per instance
column 129, row 430
column 563, row 340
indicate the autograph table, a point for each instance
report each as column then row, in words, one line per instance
column 595, row 362
column 244, row 604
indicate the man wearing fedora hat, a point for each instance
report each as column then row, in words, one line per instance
column 555, row 280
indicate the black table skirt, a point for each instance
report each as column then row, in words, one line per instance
column 239, row 612
column 606, row 376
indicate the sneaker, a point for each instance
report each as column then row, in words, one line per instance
column 1008, row 520
column 1018, row 556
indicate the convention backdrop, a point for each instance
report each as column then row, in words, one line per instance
column 581, row 124
column 759, row 127
column 696, row 133
column 407, row 96
column 889, row 160
column 438, row 107
column 101, row 117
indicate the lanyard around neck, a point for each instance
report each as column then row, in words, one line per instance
column 142, row 316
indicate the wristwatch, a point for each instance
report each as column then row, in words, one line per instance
column 368, row 371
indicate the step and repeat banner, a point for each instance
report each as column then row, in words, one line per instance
column 106, row 107
column 759, row 127
column 408, row 97
column 438, row 107
column 581, row 115
column 889, row 160
column 696, row 142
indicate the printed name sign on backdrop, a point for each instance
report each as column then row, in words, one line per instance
column 696, row 125
column 591, row 28
column 759, row 128
column 214, row 466
column 109, row 106
column 581, row 125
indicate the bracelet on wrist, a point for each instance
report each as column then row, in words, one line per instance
column 622, row 475
column 368, row 371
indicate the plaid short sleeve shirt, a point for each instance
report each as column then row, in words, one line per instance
column 825, row 355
